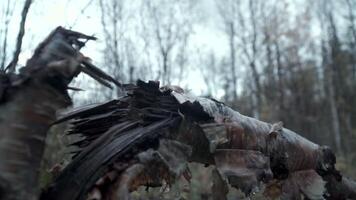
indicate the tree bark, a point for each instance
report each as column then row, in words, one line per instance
column 245, row 151
column 28, row 104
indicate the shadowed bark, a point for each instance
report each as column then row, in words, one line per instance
column 28, row 104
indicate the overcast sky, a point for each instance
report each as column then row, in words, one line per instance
column 83, row 16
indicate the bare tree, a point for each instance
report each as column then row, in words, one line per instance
column 351, row 53
column 5, row 19
column 12, row 66
column 247, row 40
column 120, row 51
column 252, row 54
column 328, row 58
column 171, row 28
column 112, row 20
column 211, row 69
column 227, row 11
column 351, row 5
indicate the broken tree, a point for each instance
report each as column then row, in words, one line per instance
column 148, row 136
column 28, row 104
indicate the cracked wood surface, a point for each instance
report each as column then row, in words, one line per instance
column 247, row 153
column 146, row 137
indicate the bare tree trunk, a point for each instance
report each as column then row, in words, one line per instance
column 116, row 15
column 12, row 66
column 170, row 30
column 165, row 75
column 256, row 92
column 8, row 14
column 253, row 58
column 112, row 18
column 351, row 13
column 334, row 114
column 331, row 71
column 352, row 26
column 334, row 117
column 280, row 78
column 329, row 54
column 232, row 47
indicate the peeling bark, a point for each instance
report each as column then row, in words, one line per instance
column 220, row 188
column 28, row 105
column 247, row 152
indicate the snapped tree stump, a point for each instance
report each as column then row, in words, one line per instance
column 28, row 104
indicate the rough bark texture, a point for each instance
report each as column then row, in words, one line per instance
column 28, row 104
column 25, row 119
column 146, row 137
column 126, row 137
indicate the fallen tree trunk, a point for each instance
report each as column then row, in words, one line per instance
column 148, row 136
column 28, row 104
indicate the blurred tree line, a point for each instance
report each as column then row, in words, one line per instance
column 290, row 61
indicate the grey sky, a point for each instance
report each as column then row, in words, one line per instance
column 46, row 15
